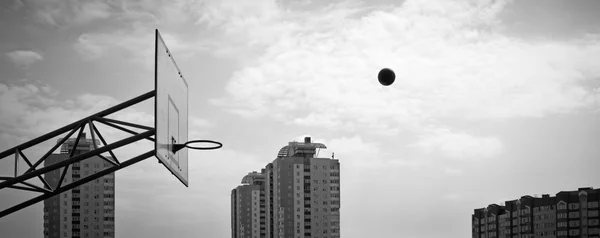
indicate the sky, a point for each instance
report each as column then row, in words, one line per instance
column 493, row 100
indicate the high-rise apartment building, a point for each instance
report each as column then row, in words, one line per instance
column 249, row 207
column 301, row 192
column 568, row 214
column 86, row 211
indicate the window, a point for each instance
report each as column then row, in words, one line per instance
column 573, row 223
column 573, row 214
column 592, row 204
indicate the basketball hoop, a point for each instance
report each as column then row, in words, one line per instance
column 177, row 147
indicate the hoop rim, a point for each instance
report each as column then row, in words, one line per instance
column 217, row 145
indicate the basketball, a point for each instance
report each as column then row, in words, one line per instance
column 386, row 77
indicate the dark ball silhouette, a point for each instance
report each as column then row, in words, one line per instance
column 386, row 77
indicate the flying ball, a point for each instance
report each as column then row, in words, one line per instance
column 386, row 77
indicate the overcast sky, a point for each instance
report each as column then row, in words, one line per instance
column 493, row 100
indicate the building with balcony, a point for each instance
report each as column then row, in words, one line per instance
column 301, row 194
column 86, row 211
column 568, row 214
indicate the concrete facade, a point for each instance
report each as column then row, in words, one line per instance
column 302, row 193
column 87, row 211
column 249, row 207
column 568, row 214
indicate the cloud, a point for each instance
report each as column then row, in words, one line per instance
column 31, row 109
column 24, row 58
column 364, row 156
column 219, row 13
column 243, row 30
column 452, row 197
column 459, row 146
column 136, row 45
column 137, row 19
column 452, row 171
column 71, row 12
column 354, row 151
column 89, row 47
column 16, row 5
column 450, row 57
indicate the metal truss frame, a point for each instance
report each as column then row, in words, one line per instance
column 19, row 181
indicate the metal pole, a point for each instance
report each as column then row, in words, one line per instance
column 77, row 158
column 75, row 124
column 76, row 183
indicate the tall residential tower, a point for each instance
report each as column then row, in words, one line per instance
column 248, row 207
column 86, row 211
column 301, row 192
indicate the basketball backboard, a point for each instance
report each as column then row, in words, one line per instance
column 171, row 111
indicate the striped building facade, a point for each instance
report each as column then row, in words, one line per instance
column 301, row 195
column 86, row 211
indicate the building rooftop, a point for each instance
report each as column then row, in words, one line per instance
column 251, row 177
column 306, row 147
